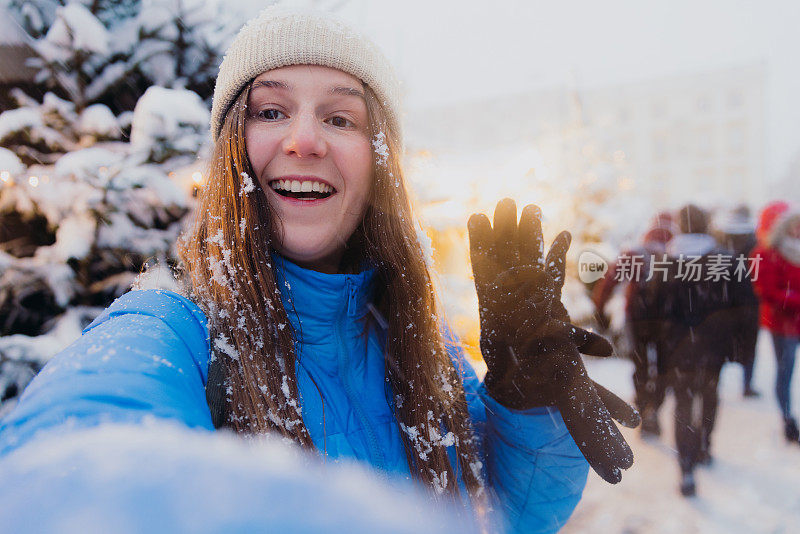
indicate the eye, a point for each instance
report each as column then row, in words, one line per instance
column 340, row 122
column 270, row 114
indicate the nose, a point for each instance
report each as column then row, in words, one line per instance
column 305, row 137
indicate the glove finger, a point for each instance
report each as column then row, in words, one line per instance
column 481, row 247
column 586, row 342
column 529, row 235
column 601, row 449
column 505, row 232
column 590, row 343
column 556, row 262
column 559, row 311
column 620, row 410
column 595, row 433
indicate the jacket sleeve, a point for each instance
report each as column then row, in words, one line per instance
column 532, row 465
column 773, row 287
column 604, row 288
column 146, row 355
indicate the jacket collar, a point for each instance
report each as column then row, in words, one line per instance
column 316, row 302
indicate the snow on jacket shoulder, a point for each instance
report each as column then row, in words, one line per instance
column 147, row 355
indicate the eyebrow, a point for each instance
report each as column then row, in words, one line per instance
column 270, row 83
column 347, row 91
column 275, row 84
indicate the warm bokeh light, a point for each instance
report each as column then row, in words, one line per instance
column 626, row 183
column 34, row 181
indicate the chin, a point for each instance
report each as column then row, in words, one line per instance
column 316, row 254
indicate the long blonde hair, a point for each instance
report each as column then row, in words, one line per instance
column 226, row 257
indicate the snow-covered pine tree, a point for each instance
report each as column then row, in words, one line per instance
column 82, row 210
column 111, row 51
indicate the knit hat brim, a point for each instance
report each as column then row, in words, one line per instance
column 279, row 37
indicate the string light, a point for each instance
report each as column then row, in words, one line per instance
column 5, row 176
column 197, row 176
column 34, row 181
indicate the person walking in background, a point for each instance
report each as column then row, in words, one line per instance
column 778, row 287
column 735, row 232
column 697, row 337
column 643, row 320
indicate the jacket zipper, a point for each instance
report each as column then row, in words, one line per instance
column 349, row 310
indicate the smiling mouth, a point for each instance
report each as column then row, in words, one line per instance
column 302, row 189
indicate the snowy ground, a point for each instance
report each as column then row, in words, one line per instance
column 752, row 486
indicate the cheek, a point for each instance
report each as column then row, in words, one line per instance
column 261, row 148
column 356, row 164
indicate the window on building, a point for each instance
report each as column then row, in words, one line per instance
column 736, row 138
column 735, row 99
column 703, row 104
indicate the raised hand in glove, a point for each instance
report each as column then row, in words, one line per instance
column 532, row 352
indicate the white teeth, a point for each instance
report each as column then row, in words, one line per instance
column 296, row 186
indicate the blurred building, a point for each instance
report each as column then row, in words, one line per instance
column 689, row 137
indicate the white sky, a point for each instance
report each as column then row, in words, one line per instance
column 449, row 51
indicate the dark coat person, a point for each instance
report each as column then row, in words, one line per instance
column 643, row 317
column 697, row 300
column 735, row 232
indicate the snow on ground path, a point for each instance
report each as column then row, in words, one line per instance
column 752, row 486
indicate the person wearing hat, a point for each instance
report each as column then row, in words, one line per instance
column 735, row 232
column 702, row 316
column 778, row 287
column 311, row 307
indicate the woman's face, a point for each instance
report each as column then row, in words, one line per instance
column 307, row 138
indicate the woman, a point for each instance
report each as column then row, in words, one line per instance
column 778, row 288
column 322, row 316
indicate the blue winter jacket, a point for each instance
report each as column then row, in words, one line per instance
column 147, row 355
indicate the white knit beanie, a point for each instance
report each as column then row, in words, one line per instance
column 279, row 37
